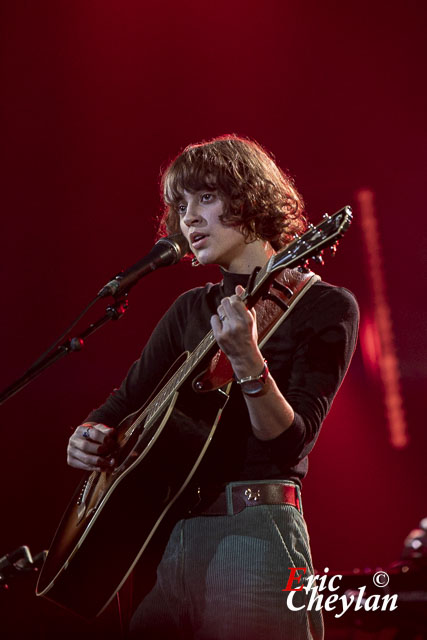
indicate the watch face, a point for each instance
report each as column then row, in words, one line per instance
column 251, row 387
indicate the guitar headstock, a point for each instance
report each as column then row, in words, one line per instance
column 314, row 240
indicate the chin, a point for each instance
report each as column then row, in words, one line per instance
column 204, row 259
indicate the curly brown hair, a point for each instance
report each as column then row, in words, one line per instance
column 258, row 196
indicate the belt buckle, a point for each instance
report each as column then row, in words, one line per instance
column 252, row 495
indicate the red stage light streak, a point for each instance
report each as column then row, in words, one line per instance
column 376, row 336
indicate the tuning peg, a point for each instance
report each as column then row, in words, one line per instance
column 310, row 226
column 319, row 259
column 296, row 236
column 333, row 249
column 326, row 216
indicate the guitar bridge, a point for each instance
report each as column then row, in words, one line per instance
column 80, row 498
column 84, row 494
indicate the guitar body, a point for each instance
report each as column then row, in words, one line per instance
column 114, row 514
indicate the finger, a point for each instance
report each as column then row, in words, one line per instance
column 234, row 308
column 89, row 448
column 226, row 305
column 221, row 313
column 89, row 462
column 216, row 325
column 235, row 300
column 78, row 464
column 95, row 432
column 239, row 290
column 77, row 442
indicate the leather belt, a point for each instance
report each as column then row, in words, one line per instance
column 236, row 497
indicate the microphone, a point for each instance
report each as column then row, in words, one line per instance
column 167, row 251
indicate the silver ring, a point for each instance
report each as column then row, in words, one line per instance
column 86, row 432
column 222, row 317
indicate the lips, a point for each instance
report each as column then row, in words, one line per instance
column 197, row 239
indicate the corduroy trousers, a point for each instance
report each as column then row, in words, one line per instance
column 222, row 578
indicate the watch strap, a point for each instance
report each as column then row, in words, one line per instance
column 260, row 379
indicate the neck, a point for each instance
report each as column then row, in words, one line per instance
column 256, row 254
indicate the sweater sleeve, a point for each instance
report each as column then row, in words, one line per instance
column 164, row 346
column 325, row 336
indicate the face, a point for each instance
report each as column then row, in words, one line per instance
column 210, row 240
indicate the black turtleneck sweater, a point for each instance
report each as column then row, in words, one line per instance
column 307, row 356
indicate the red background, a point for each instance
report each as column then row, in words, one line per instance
column 96, row 97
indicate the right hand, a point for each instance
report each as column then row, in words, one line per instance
column 92, row 453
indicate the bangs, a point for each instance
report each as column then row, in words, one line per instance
column 193, row 171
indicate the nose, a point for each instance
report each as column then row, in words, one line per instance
column 192, row 214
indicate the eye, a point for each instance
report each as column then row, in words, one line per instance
column 207, row 197
column 181, row 208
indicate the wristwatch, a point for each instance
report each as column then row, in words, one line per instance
column 251, row 385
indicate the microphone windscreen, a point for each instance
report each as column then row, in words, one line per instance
column 179, row 244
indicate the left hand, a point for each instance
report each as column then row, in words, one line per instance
column 235, row 330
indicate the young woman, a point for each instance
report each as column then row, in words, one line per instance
column 228, row 560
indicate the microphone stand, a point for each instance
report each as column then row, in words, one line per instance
column 113, row 312
column 167, row 251
column 17, row 563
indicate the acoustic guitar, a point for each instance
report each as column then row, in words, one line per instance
column 114, row 514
